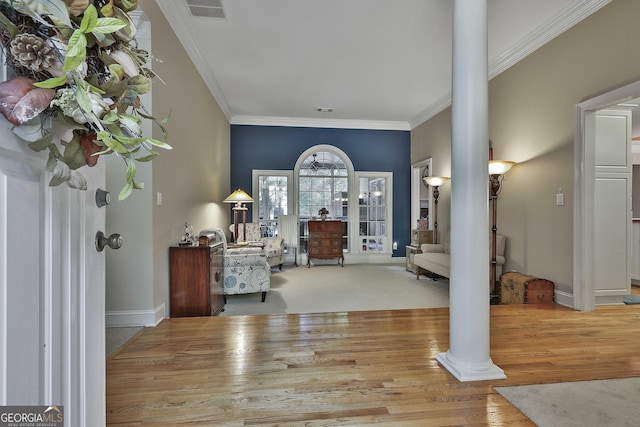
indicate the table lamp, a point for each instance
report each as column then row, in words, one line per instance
column 239, row 197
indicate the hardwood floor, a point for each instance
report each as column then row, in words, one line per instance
column 357, row 368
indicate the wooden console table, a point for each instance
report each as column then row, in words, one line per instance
column 325, row 241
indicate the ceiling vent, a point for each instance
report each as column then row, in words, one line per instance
column 207, row 8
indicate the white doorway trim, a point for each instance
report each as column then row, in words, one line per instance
column 583, row 203
column 416, row 184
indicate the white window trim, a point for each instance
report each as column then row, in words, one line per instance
column 255, row 187
column 354, row 221
column 355, row 253
column 352, row 186
column 308, row 152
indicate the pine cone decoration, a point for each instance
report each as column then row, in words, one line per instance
column 32, row 52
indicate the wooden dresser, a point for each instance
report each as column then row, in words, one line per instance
column 325, row 241
column 195, row 280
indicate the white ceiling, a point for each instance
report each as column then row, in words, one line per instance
column 380, row 64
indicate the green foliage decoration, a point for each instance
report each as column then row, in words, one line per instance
column 88, row 104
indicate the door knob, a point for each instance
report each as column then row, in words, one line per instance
column 114, row 241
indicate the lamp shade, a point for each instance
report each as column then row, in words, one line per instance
column 434, row 181
column 238, row 196
column 500, row 167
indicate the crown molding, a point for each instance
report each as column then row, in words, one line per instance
column 562, row 21
column 170, row 9
column 318, row 123
column 438, row 106
column 556, row 25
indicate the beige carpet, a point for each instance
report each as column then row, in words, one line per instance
column 331, row 288
column 580, row 404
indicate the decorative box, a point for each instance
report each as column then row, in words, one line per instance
column 419, row 237
column 518, row 288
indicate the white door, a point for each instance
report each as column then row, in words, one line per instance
column 612, row 206
column 52, row 349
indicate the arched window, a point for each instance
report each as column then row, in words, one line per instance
column 323, row 182
column 324, row 175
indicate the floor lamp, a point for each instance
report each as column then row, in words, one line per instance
column 497, row 169
column 435, row 182
column 239, row 197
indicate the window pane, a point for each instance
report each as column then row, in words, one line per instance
column 373, row 211
column 305, row 184
column 272, row 201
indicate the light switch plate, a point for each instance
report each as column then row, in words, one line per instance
column 560, row 199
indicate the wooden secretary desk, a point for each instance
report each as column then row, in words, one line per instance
column 325, row 240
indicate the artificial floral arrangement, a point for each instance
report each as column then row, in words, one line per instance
column 323, row 212
column 77, row 79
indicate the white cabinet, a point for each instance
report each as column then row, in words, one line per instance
column 612, row 206
column 635, row 253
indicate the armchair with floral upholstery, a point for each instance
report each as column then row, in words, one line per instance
column 273, row 246
column 246, row 273
column 245, row 270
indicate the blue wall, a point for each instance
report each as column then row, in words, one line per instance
column 278, row 148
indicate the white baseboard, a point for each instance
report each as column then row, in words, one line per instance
column 609, row 300
column 127, row 318
column 372, row 259
column 564, row 299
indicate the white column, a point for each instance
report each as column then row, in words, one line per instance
column 468, row 356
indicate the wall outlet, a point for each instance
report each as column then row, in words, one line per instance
column 159, row 198
column 395, row 246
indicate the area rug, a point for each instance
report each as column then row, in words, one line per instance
column 631, row 299
column 331, row 288
column 580, row 404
